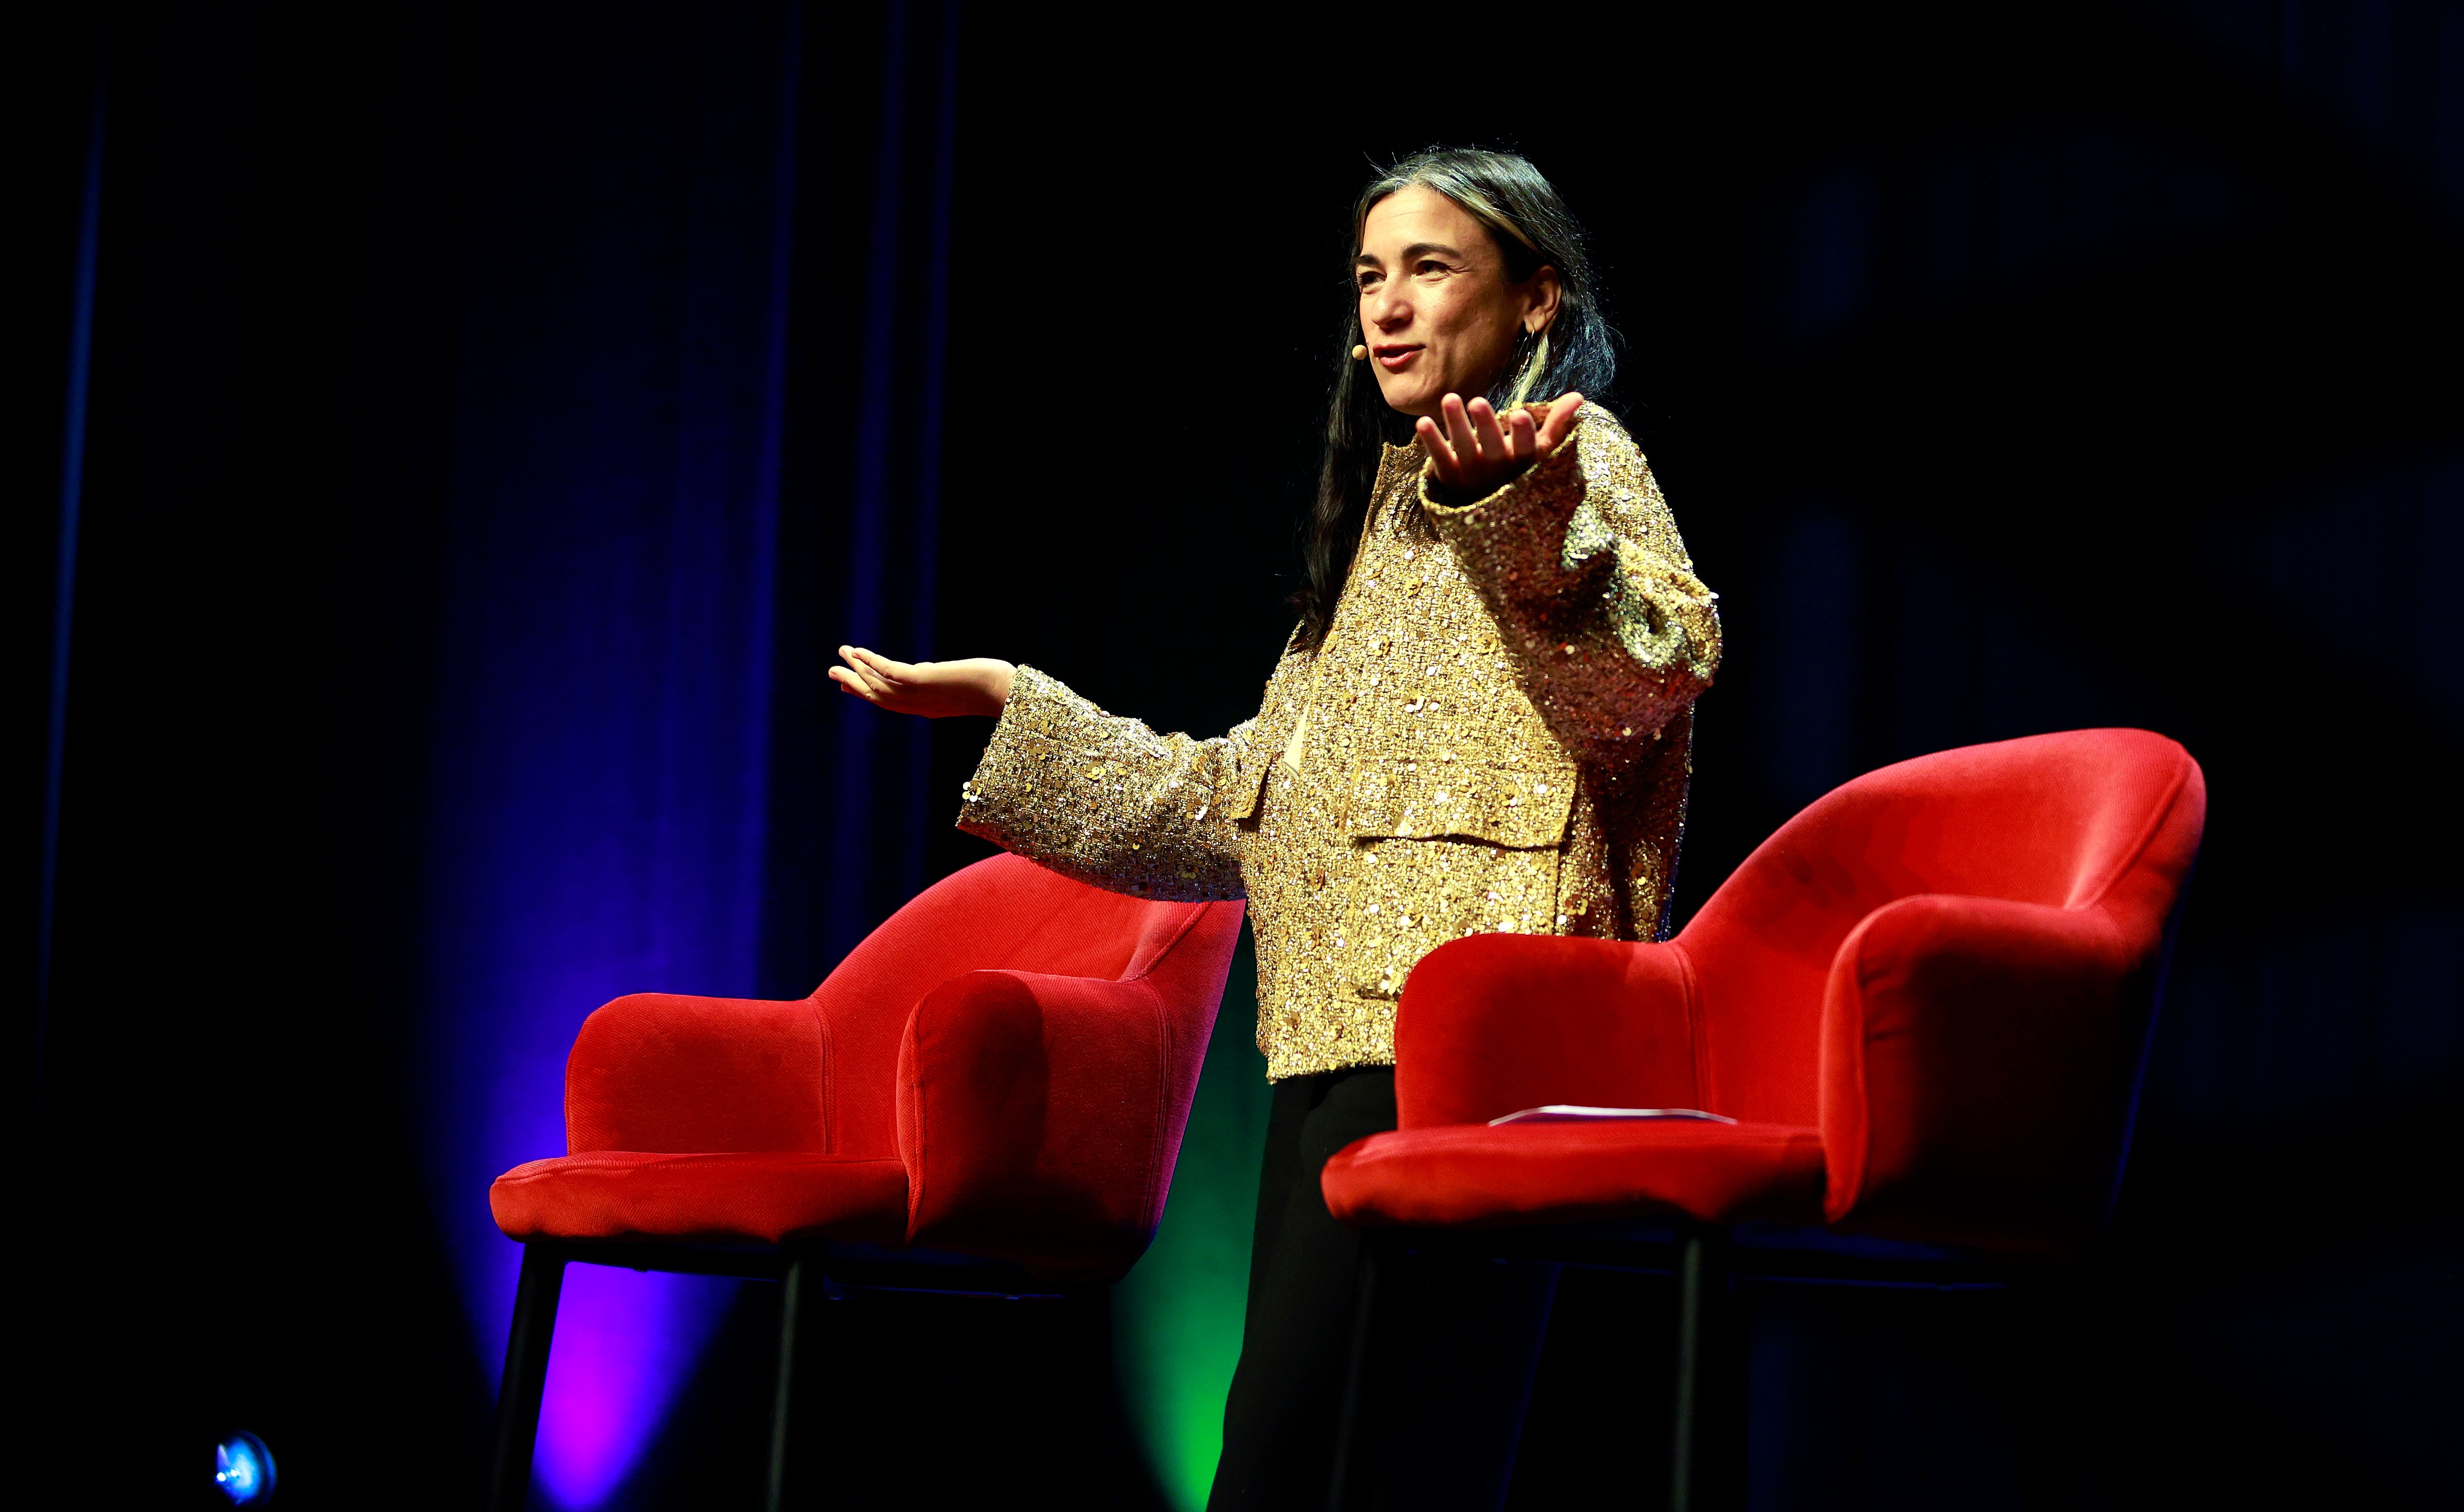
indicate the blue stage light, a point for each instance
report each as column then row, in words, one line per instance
column 243, row 1470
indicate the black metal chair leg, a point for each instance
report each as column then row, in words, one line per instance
column 518, row 1400
column 1354, row 1441
column 1707, row 1437
column 800, row 1295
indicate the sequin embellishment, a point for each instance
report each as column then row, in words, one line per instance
column 1497, row 738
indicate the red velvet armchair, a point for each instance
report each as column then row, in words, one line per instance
column 985, row 1097
column 1925, row 1002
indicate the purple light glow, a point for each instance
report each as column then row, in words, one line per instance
column 625, row 1344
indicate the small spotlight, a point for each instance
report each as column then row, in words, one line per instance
column 243, row 1470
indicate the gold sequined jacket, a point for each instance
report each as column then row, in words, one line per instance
column 1494, row 735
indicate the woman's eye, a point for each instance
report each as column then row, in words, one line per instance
column 1430, row 267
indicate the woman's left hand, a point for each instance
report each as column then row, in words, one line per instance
column 1474, row 454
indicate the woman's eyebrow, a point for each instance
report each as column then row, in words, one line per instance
column 1412, row 254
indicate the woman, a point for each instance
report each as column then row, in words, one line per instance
column 1482, row 722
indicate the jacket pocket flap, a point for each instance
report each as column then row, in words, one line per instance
column 1423, row 799
column 1240, row 794
column 1253, row 758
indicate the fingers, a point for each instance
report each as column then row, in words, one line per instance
column 1459, row 430
column 1471, row 446
column 1442, row 456
column 876, row 665
column 1560, row 421
column 1485, row 432
column 850, row 683
column 932, row 690
column 1522, row 437
column 874, row 675
column 1454, row 446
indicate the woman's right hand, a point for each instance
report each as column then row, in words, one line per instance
column 979, row 685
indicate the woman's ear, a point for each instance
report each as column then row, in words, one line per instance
column 1546, row 291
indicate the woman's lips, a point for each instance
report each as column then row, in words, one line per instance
column 1395, row 359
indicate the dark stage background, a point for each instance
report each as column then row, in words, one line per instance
column 494, row 414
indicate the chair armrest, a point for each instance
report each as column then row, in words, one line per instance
column 1493, row 1024
column 658, row 1072
column 1040, row 1117
column 1980, row 1059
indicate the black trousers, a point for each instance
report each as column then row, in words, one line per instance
column 1470, row 1336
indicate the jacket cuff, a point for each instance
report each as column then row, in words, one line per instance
column 1513, row 541
column 997, row 801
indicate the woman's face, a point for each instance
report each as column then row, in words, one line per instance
column 1437, row 311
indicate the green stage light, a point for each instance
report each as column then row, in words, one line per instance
column 1179, row 1312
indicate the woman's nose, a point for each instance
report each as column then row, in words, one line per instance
column 1387, row 310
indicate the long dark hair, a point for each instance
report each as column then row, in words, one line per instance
column 1576, row 353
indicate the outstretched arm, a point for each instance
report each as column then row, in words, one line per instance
column 1107, row 801
column 1090, row 795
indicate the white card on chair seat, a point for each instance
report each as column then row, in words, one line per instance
column 1576, row 1113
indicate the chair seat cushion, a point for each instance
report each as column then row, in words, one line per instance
column 1478, row 1175
column 763, row 1195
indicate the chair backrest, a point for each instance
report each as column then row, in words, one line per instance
column 1008, row 913
column 2086, row 819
